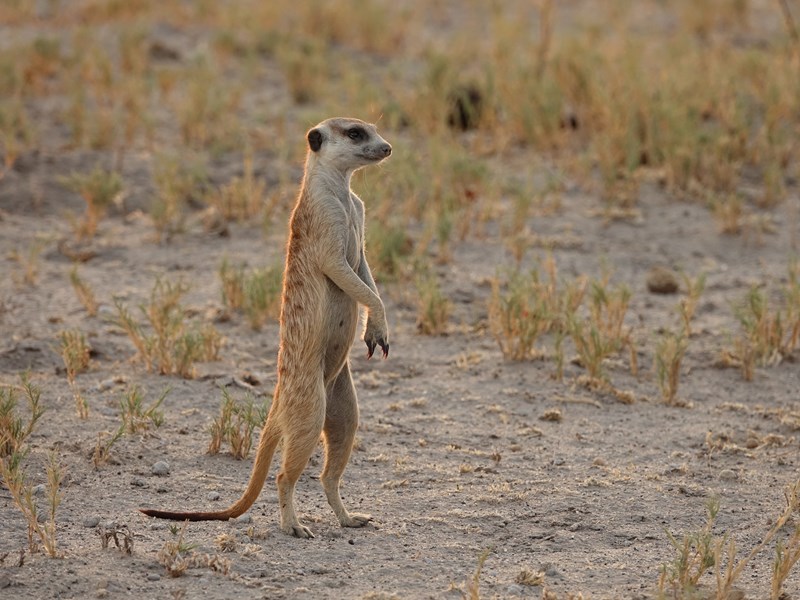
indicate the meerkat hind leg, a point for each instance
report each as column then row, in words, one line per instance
column 298, row 446
column 341, row 422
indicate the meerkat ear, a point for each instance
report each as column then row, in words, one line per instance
column 315, row 140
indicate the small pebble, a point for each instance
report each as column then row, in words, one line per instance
column 38, row 490
column 213, row 496
column 104, row 310
column 161, row 468
column 91, row 521
column 138, row 482
column 153, row 577
column 245, row 518
column 162, row 489
column 727, row 475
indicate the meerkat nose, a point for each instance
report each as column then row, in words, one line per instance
column 386, row 149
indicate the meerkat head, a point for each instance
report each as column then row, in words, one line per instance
column 347, row 144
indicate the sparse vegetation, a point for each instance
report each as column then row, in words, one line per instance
column 256, row 292
column 105, row 440
column 669, row 356
column 178, row 556
column 43, row 529
column 28, row 262
column 99, row 189
column 242, row 198
column 433, row 309
column 84, row 292
column 174, row 346
column 472, row 585
column 704, row 550
column 14, row 431
column 75, row 354
column 120, row 534
column 603, row 333
column 688, row 304
column 15, row 428
column 135, row 417
column 520, row 315
column 770, row 331
column 178, row 182
column 235, row 424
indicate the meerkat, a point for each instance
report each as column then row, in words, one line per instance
column 326, row 278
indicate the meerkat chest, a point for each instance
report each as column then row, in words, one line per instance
column 354, row 233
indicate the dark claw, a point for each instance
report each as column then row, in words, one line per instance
column 370, row 348
column 385, row 347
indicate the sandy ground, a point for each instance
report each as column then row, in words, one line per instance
column 456, row 455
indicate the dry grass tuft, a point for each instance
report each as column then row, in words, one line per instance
column 174, row 346
column 235, row 424
column 99, row 189
column 703, row 550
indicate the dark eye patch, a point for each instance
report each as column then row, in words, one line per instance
column 356, row 133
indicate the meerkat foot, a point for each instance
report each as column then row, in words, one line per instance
column 355, row 520
column 298, row 531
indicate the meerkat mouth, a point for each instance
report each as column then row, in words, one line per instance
column 373, row 158
column 376, row 155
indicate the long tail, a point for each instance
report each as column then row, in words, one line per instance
column 270, row 436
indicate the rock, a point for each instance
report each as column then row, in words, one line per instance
column 111, row 382
column 161, row 468
column 153, row 577
column 728, row 475
column 39, row 490
column 104, row 310
column 138, row 482
column 245, row 518
column 91, row 521
column 213, row 496
column 661, row 280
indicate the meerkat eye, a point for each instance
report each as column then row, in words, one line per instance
column 354, row 133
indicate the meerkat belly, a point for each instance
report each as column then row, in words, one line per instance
column 341, row 324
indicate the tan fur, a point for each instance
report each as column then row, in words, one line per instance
column 326, row 279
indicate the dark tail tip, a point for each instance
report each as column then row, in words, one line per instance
column 185, row 516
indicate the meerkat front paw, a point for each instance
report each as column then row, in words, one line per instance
column 376, row 336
